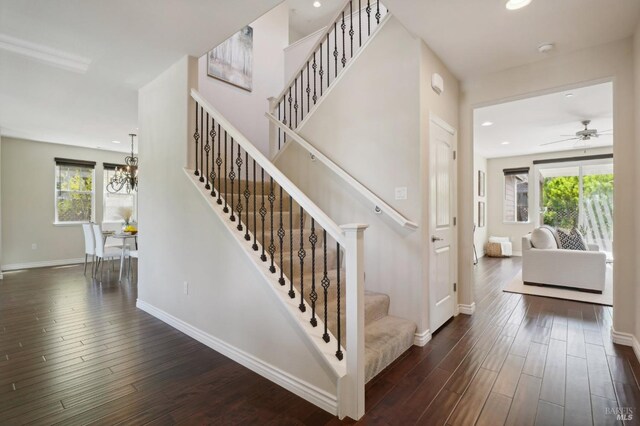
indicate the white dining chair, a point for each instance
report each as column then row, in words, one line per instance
column 102, row 252
column 89, row 246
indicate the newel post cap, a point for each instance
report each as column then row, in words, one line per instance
column 354, row 227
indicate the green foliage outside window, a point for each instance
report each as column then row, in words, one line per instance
column 561, row 197
column 74, row 194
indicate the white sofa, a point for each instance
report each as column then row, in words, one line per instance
column 579, row 269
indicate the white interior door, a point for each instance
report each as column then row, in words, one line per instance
column 442, row 237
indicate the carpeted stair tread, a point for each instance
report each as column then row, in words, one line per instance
column 385, row 340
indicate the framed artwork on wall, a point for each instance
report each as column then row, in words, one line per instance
column 232, row 60
column 481, row 183
column 481, row 214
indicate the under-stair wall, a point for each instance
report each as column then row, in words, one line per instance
column 227, row 305
column 374, row 124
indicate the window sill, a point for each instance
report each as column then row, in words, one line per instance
column 69, row 223
column 517, row 223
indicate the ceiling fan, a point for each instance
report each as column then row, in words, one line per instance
column 583, row 135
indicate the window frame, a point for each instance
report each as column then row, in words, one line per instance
column 510, row 172
column 105, row 181
column 56, row 219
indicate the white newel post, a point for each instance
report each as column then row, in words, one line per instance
column 273, row 132
column 351, row 386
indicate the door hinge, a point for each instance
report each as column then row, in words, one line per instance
column 455, row 287
column 454, row 155
column 455, row 221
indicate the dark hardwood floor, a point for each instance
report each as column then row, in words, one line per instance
column 76, row 351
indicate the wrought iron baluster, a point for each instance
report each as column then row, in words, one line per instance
column 263, row 213
column 226, row 175
column 295, row 104
column 279, row 130
column 339, row 354
column 212, row 174
column 196, row 136
column 255, row 205
column 368, row 17
column 239, row 205
column 335, row 49
column 290, row 109
column 359, row 23
column 313, row 296
column 207, row 148
column 321, row 72
column 343, row 26
column 314, row 66
column 247, row 194
column 301, row 256
column 325, row 285
column 308, row 90
column 351, row 32
column 272, row 246
column 232, row 177
column 301, row 95
column 328, row 63
column 219, row 164
column 281, row 235
column 292, row 294
column 378, row 15
column 202, row 170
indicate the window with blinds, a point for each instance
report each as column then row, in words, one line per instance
column 516, row 195
column 74, row 191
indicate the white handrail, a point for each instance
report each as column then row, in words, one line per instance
column 309, row 206
column 363, row 190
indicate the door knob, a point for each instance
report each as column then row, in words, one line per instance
column 434, row 239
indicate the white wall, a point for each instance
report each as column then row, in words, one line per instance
column 380, row 143
column 481, row 235
column 495, row 183
column 181, row 240
column 245, row 110
column 28, row 208
column 296, row 53
column 613, row 61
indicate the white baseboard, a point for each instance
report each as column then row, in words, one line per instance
column 626, row 339
column 41, row 264
column 421, row 339
column 305, row 390
column 516, row 253
column 467, row 309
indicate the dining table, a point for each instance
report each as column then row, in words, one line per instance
column 124, row 236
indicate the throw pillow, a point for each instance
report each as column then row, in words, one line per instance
column 572, row 240
column 543, row 238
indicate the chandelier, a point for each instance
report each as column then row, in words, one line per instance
column 125, row 177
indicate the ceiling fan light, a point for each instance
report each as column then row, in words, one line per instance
column 516, row 4
column 487, row 124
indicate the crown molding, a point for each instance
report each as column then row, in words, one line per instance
column 47, row 55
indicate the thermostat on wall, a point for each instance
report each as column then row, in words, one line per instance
column 437, row 83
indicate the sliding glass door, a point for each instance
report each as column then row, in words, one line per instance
column 579, row 195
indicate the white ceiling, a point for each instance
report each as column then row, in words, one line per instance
column 475, row 37
column 305, row 19
column 45, row 45
column 528, row 123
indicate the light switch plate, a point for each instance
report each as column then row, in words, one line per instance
column 401, row 193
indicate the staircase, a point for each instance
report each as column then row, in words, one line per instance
column 315, row 266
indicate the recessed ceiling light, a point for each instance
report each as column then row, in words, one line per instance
column 115, row 141
column 516, row 4
column 546, row 47
column 487, row 124
column 317, row 4
column 569, row 95
column 506, row 143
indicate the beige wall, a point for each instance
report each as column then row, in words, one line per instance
column 245, row 110
column 495, row 183
column 612, row 61
column 28, row 182
column 382, row 142
column 181, row 239
column 482, row 233
column 636, row 70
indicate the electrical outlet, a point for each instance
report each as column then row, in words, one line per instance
column 34, row 246
column 401, row 193
column 185, row 287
